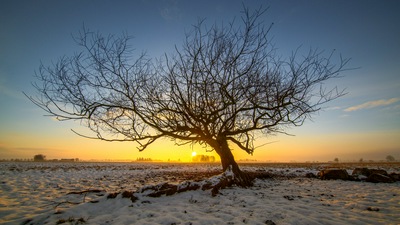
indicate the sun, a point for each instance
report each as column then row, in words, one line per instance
column 194, row 154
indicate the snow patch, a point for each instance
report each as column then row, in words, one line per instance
column 38, row 193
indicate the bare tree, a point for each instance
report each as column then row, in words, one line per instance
column 225, row 86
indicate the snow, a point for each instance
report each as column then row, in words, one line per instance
column 40, row 193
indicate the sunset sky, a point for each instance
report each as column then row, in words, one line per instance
column 365, row 123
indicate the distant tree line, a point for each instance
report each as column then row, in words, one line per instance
column 141, row 159
column 16, row 160
column 203, row 158
column 42, row 158
column 388, row 158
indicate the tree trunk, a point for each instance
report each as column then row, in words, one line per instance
column 228, row 163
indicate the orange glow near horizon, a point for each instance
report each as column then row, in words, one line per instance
column 286, row 149
column 62, row 143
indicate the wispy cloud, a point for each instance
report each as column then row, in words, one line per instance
column 372, row 104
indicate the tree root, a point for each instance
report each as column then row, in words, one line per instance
column 215, row 184
column 84, row 192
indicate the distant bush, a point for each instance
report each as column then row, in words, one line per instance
column 39, row 158
column 390, row 158
column 336, row 160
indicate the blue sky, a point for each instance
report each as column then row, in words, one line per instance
column 363, row 124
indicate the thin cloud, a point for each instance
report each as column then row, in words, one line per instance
column 372, row 104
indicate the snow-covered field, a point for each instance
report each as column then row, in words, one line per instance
column 48, row 193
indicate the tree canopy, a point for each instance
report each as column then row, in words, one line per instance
column 225, row 85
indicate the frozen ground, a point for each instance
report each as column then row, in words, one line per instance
column 43, row 193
